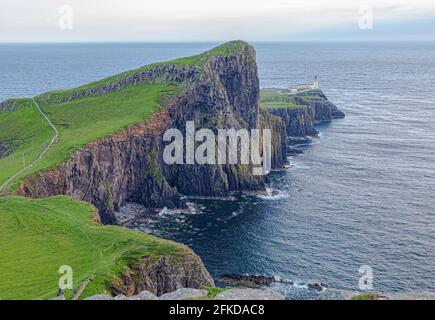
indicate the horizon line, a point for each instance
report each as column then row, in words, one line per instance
column 216, row 41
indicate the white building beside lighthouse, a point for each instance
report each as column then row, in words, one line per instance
column 306, row 87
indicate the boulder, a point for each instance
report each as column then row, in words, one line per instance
column 100, row 297
column 337, row 295
column 411, row 295
column 247, row 280
column 185, row 294
column 144, row 295
column 249, row 294
column 317, row 286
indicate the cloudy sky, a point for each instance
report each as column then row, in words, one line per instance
column 218, row 20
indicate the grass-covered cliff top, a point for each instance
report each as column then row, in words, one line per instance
column 226, row 49
column 39, row 236
column 274, row 98
column 86, row 119
column 79, row 122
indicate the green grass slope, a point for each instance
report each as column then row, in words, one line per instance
column 39, row 236
column 27, row 133
column 272, row 98
column 84, row 120
column 79, row 122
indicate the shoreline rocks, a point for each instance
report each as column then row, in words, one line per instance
column 197, row 294
column 249, row 281
column 317, row 286
column 334, row 294
column 185, row 294
column 249, row 294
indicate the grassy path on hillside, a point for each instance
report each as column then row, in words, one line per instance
column 53, row 141
column 39, row 236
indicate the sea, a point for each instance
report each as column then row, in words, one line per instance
column 360, row 201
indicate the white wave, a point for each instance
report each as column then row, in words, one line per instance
column 274, row 194
column 195, row 208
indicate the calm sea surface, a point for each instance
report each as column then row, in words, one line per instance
column 362, row 194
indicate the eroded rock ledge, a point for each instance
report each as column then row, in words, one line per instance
column 163, row 275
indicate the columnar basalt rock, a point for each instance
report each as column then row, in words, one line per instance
column 299, row 121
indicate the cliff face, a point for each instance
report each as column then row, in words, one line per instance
column 303, row 111
column 129, row 166
column 324, row 110
column 112, row 170
column 279, row 138
column 299, row 121
column 226, row 97
column 166, row 274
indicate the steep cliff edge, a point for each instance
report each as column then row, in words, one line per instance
column 219, row 90
column 324, row 110
column 299, row 111
column 299, row 121
column 162, row 275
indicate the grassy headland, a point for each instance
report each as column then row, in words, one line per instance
column 81, row 121
column 273, row 98
column 39, row 236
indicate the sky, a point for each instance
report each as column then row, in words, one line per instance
column 218, row 20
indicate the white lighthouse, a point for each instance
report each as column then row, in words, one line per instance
column 316, row 83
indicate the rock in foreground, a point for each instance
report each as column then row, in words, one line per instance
column 167, row 274
column 249, row 281
column 249, row 294
column 185, row 294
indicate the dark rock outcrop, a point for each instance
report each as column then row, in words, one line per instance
column 12, row 105
column 299, row 121
column 293, row 151
column 163, row 275
column 4, row 149
column 324, row 110
column 249, row 281
column 279, row 138
column 317, row 286
column 249, row 294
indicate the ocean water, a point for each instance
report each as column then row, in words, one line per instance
column 361, row 194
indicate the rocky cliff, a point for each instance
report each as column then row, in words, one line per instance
column 299, row 111
column 299, row 122
column 223, row 92
column 324, row 110
column 279, row 137
column 163, row 275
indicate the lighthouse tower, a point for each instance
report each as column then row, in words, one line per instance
column 316, row 83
